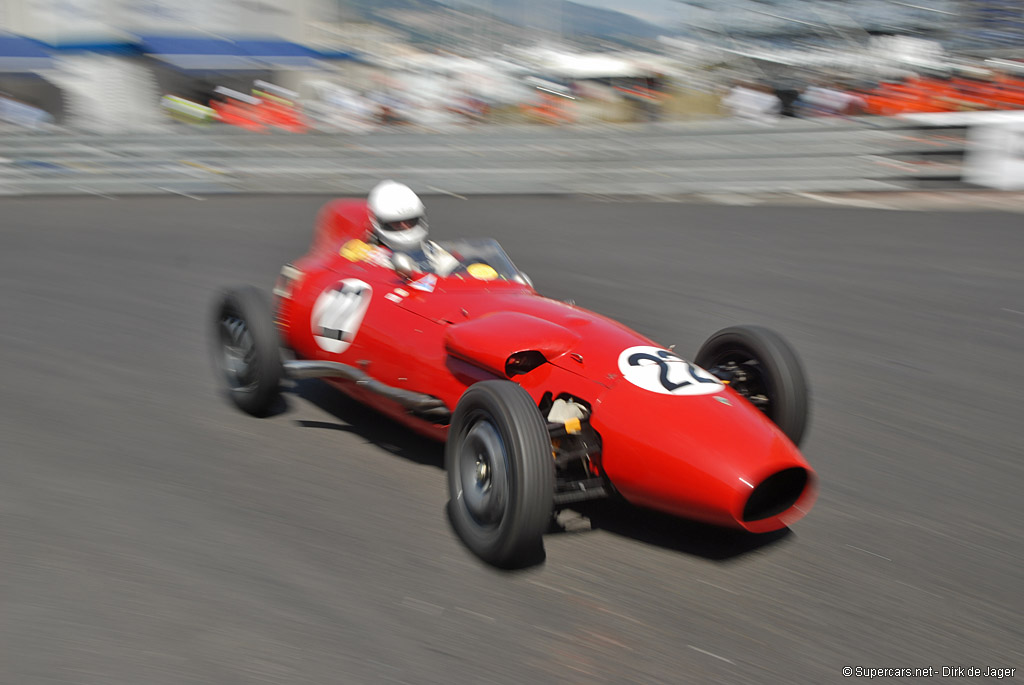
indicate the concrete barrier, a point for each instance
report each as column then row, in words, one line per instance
column 819, row 155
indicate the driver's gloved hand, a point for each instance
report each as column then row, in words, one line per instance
column 441, row 261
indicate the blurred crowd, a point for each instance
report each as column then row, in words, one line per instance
column 765, row 101
column 414, row 100
column 327, row 105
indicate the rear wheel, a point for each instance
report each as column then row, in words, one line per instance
column 247, row 349
column 501, row 475
column 761, row 366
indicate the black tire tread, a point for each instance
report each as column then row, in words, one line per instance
column 518, row 540
column 787, row 379
column 250, row 304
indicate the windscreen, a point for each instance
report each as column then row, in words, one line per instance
column 481, row 259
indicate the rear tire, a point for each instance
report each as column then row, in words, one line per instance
column 247, row 349
column 501, row 475
column 770, row 374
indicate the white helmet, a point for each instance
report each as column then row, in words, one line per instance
column 397, row 215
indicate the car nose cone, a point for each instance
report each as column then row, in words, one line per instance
column 721, row 462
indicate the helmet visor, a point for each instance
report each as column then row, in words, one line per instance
column 403, row 225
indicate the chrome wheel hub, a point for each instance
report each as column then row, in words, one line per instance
column 484, row 474
column 238, row 352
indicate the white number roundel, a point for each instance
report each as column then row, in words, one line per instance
column 660, row 371
column 338, row 312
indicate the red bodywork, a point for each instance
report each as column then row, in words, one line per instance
column 698, row 456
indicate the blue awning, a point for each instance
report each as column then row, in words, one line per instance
column 331, row 53
column 198, row 53
column 278, row 53
column 201, row 53
column 22, row 55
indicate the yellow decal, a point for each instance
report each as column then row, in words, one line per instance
column 355, row 250
column 482, row 272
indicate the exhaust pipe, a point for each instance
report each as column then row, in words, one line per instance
column 425, row 406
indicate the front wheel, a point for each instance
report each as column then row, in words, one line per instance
column 501, row 475
column 761, row 366
column 247, row 350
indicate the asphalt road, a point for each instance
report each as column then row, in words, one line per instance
column 150, row 533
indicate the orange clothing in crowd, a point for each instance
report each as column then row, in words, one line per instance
column 926, row 94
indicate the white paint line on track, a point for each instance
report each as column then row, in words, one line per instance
column 547, row 587
column 93, row 192
column 1012, row 311
column 485, row 617
column 738, row 199
column 420, row 605
column 581, row 572
column 704, row 651
column 850, row 202
column 622, row 616
column 859, row 549
column 181, row 192
column 447, row 192
column 717, row 586
column 914, row 587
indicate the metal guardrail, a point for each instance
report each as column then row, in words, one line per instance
column 819, row 155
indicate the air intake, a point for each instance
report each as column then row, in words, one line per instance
column 775, row 494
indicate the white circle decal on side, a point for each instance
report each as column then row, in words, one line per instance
column 660, row 371
column 338, row 312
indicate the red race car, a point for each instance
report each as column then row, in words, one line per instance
column 542, row 403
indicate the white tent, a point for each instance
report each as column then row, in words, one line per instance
column 587, row 65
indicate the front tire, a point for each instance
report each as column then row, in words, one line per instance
column 501, row 475
column 247, row 349
column 762, row 367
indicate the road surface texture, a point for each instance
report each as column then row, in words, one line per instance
column 151, row 533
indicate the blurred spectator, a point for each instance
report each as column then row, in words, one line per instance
column 279, row 107
column 336, row 108
column 187, row 111
column 237, row 109
column 788, row 93
column 550, row 104
column 824, row 100
column 646, row 96
column 752, row 102
column 389, row 108
column 470, row 108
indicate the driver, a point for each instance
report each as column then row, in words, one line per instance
column 398, row 221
